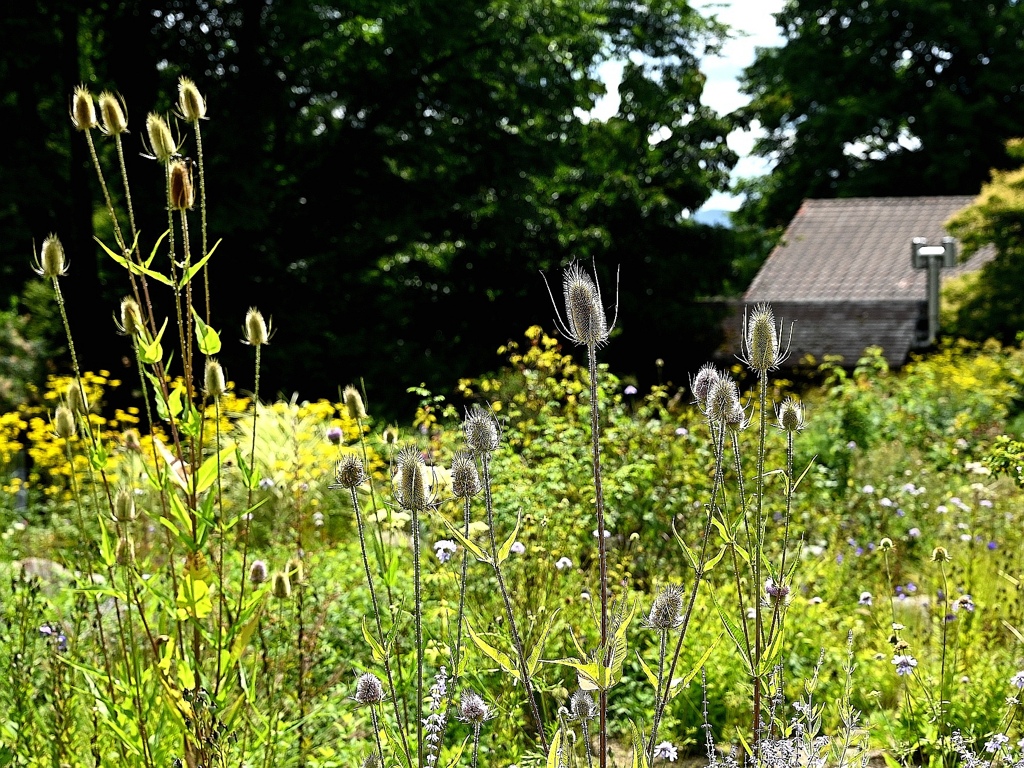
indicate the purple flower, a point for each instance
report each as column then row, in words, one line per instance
column 1017, row 681
column 266, row 483
column 992, row 545
column 518, row 548
column 914, row 533
column 630, row 390
column 666, row 751
column 562, row 563
column 682, row 431
column 334, row 434
column 444, row 549
column 986, row 503
column 994, row 744
column 905, row 664
column 965, row 602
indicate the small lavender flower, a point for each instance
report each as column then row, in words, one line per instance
column 334, row 435
column 444, row 549
column 994, row 744
column 562, row 563
column 868, row 489
column 682, row 431
column 905, row 664
column 518, row 548
column 434, row 723
column 1017, row 681
column 666, row 751
column 473, row 709
column 914, row 533
column 886, row 501
column 865, row 598
column 266, row 483
column 630, row 390
column 965, row 602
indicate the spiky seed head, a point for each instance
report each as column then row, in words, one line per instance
column 390, row 436
column 723, row 399
column 585, row 318
column 296, row 571
column 51, row 262
column 257, row 572
column 214, row 379
column 182, row 194
column 75, row 398
column 83, row 110
column 885, row 544
column 411, row 487
column 130, row 323
column 256, row 331
column 282, row 586
column 701, row 384
column 667, row 609
column 112, row 111
column 131, row 440
column 582, row 706
column 940, row 555
column 191, row 104
column 161, row 143
column 372, row 760
column 124, row 505
column 64, row 422
column 736, row 419
column 465, row 478
column 472, row 708
column 354, row 403
column 791, row 415
column 764, row 348
column 349, row 473
column 776, row 594
column 369, row 689
column 481, row 430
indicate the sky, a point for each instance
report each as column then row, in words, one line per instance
column 753, row 26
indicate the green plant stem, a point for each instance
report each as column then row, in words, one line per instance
column 418, row 616
column 248, row 496
column 476, row 742
column 757, row 555
column 202, row 214
column 376, row 733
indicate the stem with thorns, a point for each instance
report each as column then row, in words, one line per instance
column 418, row 615
column 756, row 555
column 202, row 215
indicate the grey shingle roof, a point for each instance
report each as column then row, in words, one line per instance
column 857, row 249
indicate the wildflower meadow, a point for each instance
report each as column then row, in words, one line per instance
column 546, row 567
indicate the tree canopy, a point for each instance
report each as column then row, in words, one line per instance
column 389, row 176
column 884, row 97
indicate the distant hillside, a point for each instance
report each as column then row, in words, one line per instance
column 714, row 217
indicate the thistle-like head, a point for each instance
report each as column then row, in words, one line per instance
column 369, row 689
column 763, row 350
column 585, row 321
column 667, row 610
column 701, row 384
column 354, row 403
column 214, row 379
column 791, row 415
column 181, row 195
column 473, row 709
column 723, row 400
column 191, row 103
column 51, row 262
column 64, row 422
column 257, row 332
column 112, row 111
column 161, row 142
column 481, row 430
column 83, row 109
column 349, row 472
column 465, row 478
column 130, row 323
column 411, row 488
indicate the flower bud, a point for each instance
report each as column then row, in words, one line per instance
column 83, row 110
column 465, row 478
column 764, row 350
column 75, row 398
column 349, row 473
column 51, row 262
column 667, row 609
column 191, row 104
column 296, row 571
column 114, row 121
column 354, row 404
column 64, row 422
column 940, row 555
column 215, row 384
column 585, row 318
column 791, row 415
column 161, row 143
column 473, row 709
column 257, row 572
column 481, row 431
column 369, row 689
column 390, row 436
column 282, row 586
column 182, row 195
column 131, row 317
column 702, row 384
column 411, row 488
column 124, row 505
column 256, row 333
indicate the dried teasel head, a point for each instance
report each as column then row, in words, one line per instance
column 112, row 112
column 481, row 430
column 465, row 478
column 369, row 690
column 791, row 415
column 124, row 505
column 191, row 103
column 723, row 400
column 64, row 422
column 667, row 610
column 161, row 143
column 257, row 572
column 412, row 491
column 83, row 109
column 51, row 262
column 181, row 195
column 349, row 473
column 701, row 384
column 354, row 403
column 214, row 381
column 282, row 589
column 763, row 349
column 585, row 321
column 257, row 333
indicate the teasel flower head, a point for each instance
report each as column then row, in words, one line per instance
column 214, row 379
column 64, row 422
column 465, row 478
column 736, row 419
column 412, row 491
column 481, row 430
column 130, row 323
column 191, row 103
column 75, row 398
column 83, row 110
column 702, row 383
column 473, row 709
column 124, row 505
column 369, row 689
column 372, row 760
column 585, row 322
column 296, row 570
column 282, row 586
column 161, row 143
column 131, row 440
column 776, row 594
column 51, row 262
column 762, row 338
column 182, row 194
column 582, row 706
column 667, row 610
column 112, row 111
column 723, row 399
column 349, row 472
column 354, row 403
column 257, row 572
column 940, row 555
column 791, row 415
column 257, row 332
column 390, row 436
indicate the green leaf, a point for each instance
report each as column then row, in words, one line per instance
column 554, row 751
column 714, row 561
column 131, row 266
column 619, row 644
column 375, row 647
column 639, row 754
column 652, row 678
column 156, row 247
column 506, row 548
column 193, row 268
column 207, row 338
column 533, row 662
column 735, row 633
column 500, row 657
column 107, row 551
column 151, row 352
column 193, row 601
column 477, row 552
column 587, row 673
column 211, row 467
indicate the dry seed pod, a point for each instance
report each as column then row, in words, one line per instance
column 161, row 143
column 191, row 104
column 112, row 110
column 83, row 110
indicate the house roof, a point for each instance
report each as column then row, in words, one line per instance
column 858, row 249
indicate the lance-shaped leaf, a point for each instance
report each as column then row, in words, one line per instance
column 500, row 657
column 475, row 549
column 207, row 338
column 506, row 548
column 193, row 268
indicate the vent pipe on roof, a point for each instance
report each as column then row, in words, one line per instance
column 933, row 258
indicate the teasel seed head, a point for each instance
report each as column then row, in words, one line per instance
column 349, row 473
column 214, row 379
column 667, row 610
column 886, row 544
column 372, row 760
column 411, row 488
column 131, row 440
column 124, row 552
column 83, row 110
column 112, row 111
column 296, row 570
column 763, row 343
column 390, row 436
column 736, row 419
column 481, row 430
column 51, row 262
column 64, row 422
column 473, row 709
column 256, row 331
column 124, row 505
column 723, row 399
column 191, row 104
column 465, row 478
column 582, row 706
column 585, row 317
column 130, row 323
column 161, row 143
column 75, row 399
column 940, row 555
column 702, row 383
column 354, row 403
column 791, row 415
column 257, row 572
column 182, row 194
column 369, row 689
column 282, row 586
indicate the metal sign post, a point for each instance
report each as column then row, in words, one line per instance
column 933, row 258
